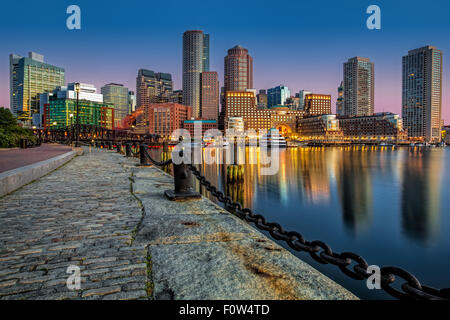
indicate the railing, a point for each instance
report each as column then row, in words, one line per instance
column 321, row 252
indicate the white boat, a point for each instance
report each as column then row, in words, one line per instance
column 273, row 138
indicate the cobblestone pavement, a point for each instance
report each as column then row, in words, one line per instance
column 82, row 214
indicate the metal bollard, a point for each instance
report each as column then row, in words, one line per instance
column 184, row 190
column 128, row 150
column 110, row 145
column 118, row 147
column 144, row 160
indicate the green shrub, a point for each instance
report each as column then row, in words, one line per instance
column 11, row 132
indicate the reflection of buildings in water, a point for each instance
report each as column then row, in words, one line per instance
column 314, row 171
column 284, row 182
column 421, row 194
column 355, row 188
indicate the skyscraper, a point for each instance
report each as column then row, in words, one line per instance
column 277, row 95
column 195, row 61
column 117, row 95
column 422, row 93
column 29, row 77
column 210, row 95
column 238, row 70
column 359, row 87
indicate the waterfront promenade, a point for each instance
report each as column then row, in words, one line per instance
column 103, row 214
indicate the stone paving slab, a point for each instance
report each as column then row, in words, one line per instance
column 200, row 251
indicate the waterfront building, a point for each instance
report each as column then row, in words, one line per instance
column 151, row 87
column 29, row 77
column 164, row 118
column 359, row 87
column 242, row 104
column 238, row 71
column 340, row 100
column 320, row 127
column 262, row 99
column 293, row 103
column 317, row 104
column 117, row 95
column 203, row 124
column 210, row 96
column 195, row 61
column 422, row 93
column 378, row 127
column 446, row 134
column 236, row 124
column 60, row 108
column 277, row 95
column 301, row 97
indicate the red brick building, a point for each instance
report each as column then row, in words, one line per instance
column 164, row 118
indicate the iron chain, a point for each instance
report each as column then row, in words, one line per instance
column 322, row 253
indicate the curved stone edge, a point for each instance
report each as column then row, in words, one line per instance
column 248, row 270
column 14, row 179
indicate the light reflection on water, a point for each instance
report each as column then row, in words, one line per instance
column 388, row 205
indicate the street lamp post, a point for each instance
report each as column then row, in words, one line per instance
column 71, row 127
column 77, row 90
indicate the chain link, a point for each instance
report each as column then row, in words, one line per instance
column 322, row 253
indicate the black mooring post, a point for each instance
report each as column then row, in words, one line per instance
column 128, row 150
column 110, row 145
column 118, row 147
column 144, row 160
column 184, row 189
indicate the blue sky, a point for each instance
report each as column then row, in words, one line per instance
column 301, row 44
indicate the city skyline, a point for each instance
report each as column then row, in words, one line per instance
column 318, row 69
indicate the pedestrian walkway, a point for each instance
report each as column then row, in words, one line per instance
column 82, row 214
column 16, row 158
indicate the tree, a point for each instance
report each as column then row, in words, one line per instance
column 10, row 131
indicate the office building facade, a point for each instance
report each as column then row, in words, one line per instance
column 117, row 95
column 164, row 118
column 29, row 77
column 210, row 96
column 301, row 99
column 277, row 95
column 422, row 93
column 359, row 87
column 317, row 104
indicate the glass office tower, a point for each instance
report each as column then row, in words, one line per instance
column 29, row 77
